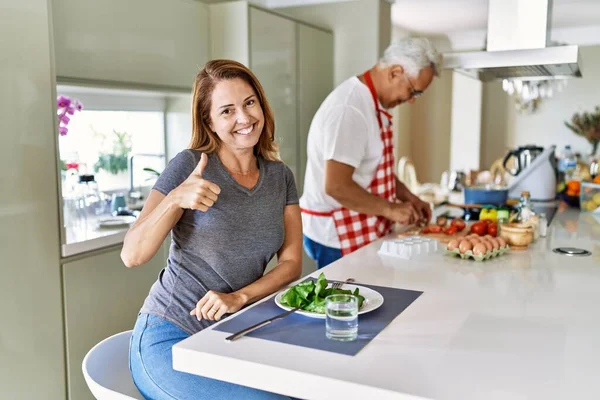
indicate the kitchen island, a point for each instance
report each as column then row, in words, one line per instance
column 521, row 326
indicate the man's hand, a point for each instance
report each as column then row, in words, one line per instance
column 422, row 208
column 403, row 213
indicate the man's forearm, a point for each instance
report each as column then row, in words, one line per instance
column 353, row 197
column 402, row 192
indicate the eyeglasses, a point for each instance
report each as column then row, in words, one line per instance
column 413, row 93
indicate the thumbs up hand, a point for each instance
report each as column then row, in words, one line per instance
column 196, row 193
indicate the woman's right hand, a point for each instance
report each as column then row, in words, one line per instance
column 196, row 193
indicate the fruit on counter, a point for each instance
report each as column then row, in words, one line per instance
column 488, row 214
column 573, row 188
column 492, row 229
column 589, row 205
column 450, row 230
column 597, row 179
column 479, row 228
column 459, row 224
column 432, row 229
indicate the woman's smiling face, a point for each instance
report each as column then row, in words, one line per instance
column 236, row 115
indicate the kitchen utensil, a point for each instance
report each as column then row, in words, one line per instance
column 259, row 325
column 339, row 284
column 538, row 178
column 518, row 236
column 456, row 181
column 522, row 158
column 488, row 194
column 373, row 300
column 594, row 168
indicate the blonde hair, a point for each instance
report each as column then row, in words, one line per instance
column 203, row 138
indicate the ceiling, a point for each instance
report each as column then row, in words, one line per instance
column 433, row 17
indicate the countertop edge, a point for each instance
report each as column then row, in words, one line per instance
column 72, row 249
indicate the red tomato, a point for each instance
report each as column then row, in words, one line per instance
column 435, row 229
column 459, row 224
column 426, row 230
column 451, row 230
column 486, row 221
column 492, row 229
column 479, row 228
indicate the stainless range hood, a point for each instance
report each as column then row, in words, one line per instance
column 518, row 46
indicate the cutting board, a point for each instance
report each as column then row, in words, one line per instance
column 441, row 237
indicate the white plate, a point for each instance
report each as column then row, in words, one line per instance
column 373, row 300
column 116, row 222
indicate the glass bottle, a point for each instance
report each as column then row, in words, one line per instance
column 543, row 225
column 526, row 216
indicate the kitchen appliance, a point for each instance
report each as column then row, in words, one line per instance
column 518, row 46
column 488, row 194
column 537, row 175
column 522, row 158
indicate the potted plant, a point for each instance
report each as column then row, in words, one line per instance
column 115, row 161
column 587, row 124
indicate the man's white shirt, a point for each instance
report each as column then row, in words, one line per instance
column 344, row 129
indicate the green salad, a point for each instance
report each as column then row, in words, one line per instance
column 310, row 295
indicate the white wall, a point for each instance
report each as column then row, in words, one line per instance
column 31, row 335
column 356, row 26
column 430, row 123
column 178, row 124
column 465, row 132
column 151, row 42
column 546, row 126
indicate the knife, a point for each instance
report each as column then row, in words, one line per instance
column 254, row 327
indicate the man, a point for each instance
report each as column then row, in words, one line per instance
column 351, row 194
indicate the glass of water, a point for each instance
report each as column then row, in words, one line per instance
column 341, row 317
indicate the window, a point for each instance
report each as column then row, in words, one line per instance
column 114, row 131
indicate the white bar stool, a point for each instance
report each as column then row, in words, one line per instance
column 106, row 369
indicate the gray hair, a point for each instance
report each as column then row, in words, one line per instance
column 413, row 54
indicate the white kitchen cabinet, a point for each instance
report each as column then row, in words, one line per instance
column 292, row 60
column 273, row 50
column 101, row 297
column 146, row 42
column 315, row 77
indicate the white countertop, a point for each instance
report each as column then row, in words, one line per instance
column 522, row 326
column 86, row 235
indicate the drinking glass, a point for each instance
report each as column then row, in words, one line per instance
column 341, row 317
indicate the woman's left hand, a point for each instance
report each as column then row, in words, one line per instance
column 215, row 304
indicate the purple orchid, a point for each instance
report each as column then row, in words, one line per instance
column 66, row 106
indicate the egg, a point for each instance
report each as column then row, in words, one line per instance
column 488, row 245
column 488, row 237
column 501, row 241
column 473, row 235
column 465, row 246
column 480, row 249
column 494, row 243
column 453, row 244
column 474, row 241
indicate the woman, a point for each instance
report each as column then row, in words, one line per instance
column 230, row 206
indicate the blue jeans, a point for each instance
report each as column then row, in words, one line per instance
column 323, row 255
column 151, row 365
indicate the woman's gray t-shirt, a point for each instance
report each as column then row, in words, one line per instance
column 227, row 247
